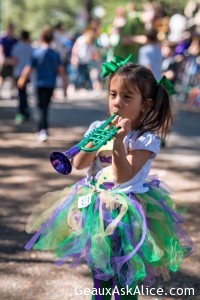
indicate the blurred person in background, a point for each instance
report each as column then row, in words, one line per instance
column 148, row 15
column 133, row 25
column 187, row 84
column 7, row 41
column 192, row 13
column 171, row 62
column 59, row 38
column 189, row 90
column 149, row 20
column 82, row 54
column 150, row 55
column 47, row 64
column 21, row 55
column 95, row 72
column 120, row 18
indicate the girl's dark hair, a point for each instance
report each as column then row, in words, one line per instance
column 158, row 117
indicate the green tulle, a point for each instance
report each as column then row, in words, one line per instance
column 71, row 230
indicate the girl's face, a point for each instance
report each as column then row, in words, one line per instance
column 125, row 100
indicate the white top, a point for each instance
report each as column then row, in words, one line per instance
column 103, row 170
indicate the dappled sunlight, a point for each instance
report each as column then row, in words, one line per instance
column 18, row 178
column 26, row 175
column 10, row 283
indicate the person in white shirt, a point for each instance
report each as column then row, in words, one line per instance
column 82, row 54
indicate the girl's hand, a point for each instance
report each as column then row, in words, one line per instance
column 124, row 125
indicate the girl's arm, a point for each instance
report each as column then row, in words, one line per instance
column 83, row 159
column 126, row 166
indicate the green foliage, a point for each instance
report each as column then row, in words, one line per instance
column 33, row 14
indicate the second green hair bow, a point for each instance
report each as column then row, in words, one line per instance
column 167, row 85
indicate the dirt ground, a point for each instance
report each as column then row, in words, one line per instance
column 26, row 174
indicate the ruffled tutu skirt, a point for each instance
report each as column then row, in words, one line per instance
column 136, row 237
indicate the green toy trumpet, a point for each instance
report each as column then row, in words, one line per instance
column 99, row 137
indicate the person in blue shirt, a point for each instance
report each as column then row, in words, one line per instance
column 7, row 42
column 22, row 55
column 150, row 55
column 47, row 65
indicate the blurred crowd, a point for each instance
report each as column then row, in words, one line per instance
column 167, row 44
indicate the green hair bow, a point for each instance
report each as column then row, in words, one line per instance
column 167, row 85
column 112, row 66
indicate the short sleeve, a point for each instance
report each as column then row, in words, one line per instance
column 93, row 126
column 148, row 141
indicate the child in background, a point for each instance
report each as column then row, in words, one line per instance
column 7, row 43
column 119, row 220
column 22, row 55
column 171, row 63
column 47, row 64
column 83, row 52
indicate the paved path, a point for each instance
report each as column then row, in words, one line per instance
column 26, row 174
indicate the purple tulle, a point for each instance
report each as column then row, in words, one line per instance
column 120, row 261
column 175, row 216
column 118, row 264
column 152, row 184
column 33, row 240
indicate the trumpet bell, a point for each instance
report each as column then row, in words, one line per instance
column 61, row 163
column 98, row 137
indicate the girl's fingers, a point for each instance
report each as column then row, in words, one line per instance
column 119, row 121
column 124, row 125
column 116, row 120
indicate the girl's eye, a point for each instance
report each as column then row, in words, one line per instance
column 127, row 97
column 112, row 94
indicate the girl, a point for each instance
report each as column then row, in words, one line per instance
column 119, row 220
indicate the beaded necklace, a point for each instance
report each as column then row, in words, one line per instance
column 93, row 180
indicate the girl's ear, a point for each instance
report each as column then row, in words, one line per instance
column 147, row 104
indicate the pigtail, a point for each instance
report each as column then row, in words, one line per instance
column 159, row 117
column 165, row 114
